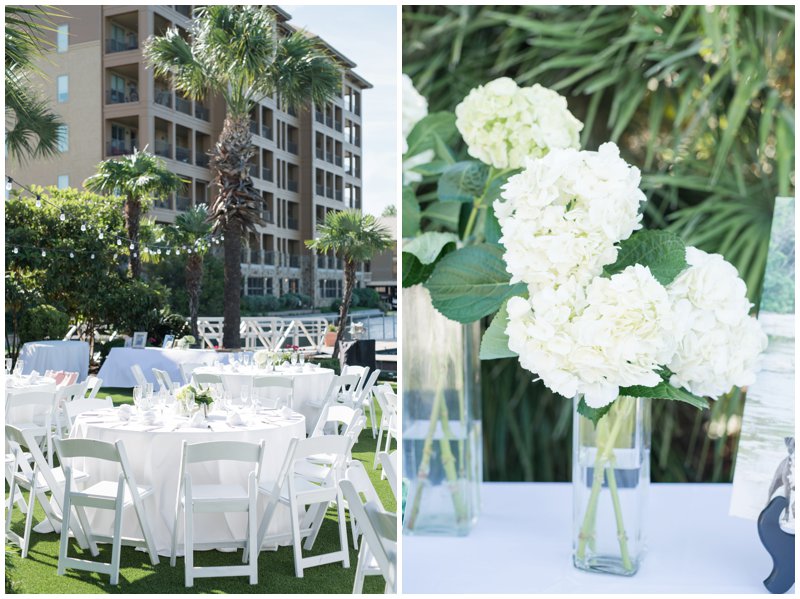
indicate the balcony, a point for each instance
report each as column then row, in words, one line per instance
column 253, row 127
column 320, row 190
column 113, row 46
column 291, row 147
column 255, row 257
column 201, row 112
column 183, row 203
column 163, row 148
column 202, row 159
column 266, row 132
column 338, row 160
column 120, row 147
column 338, row 195
column 268, row 216
column 183, row 105
column 291, row 185
column 117, row 97
column 357, row 141
column 293, row 223
column 269, row 257
column 183, row 154
column 329, row 121
column 163, row 97
column 266, row 174
column 294, row 261
column 329, row 192
column 319, row 116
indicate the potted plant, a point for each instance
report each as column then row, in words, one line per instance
column 330, row 335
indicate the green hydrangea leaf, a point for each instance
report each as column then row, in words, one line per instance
column 411, row 213
column 662, row 251
column 593, row 414
column 421, row 253
column 665, row 391
column 462, row 181
column 423, row 135
column 494, row 344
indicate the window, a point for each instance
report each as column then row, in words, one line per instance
column 63, row 138
column 268, row 288
column 255, row 286
column 63, row 181
column 62, row 88
column 62, row 35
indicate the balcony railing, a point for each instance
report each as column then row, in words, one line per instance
column 291, row 185
column 253, row 169
column 202, row 159
column 163, row 97
column 201, row 112
column 183, row 203
column 266, row 174
column 319, row 116
column 119, row 147
column 254, row 127
column 338, row 195
column 165, row 203
column 122, row 45
column 329, row 156
column 357, row 141
column 266, row 132
column 338, row 160
column 294, row 261
column 291, row 147
column 293, row 223
column 255, row 257
column 183, row 154
column 183, row 105
column 329, row 121
column 329, row 192
column 338, row 126
column 117, row 97
column 320, row 190
column 163, row 148
column 322, row 262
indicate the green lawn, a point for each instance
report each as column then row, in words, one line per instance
column 37, row 573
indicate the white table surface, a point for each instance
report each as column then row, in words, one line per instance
column 155, row 456
column 70, row 356
column 116, row 370
column 522, row 543
column 308, row 390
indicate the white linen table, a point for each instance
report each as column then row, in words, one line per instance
column 522, row 543
column 116, row 370
column 154, row 453
column 70, row 356
column 308, row 391
column 25, row 384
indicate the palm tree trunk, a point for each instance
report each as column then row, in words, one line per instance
column 233, row 284
column 194, row 282
column 349, row 284
column 133, row 211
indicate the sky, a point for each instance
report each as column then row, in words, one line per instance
column 367, row 35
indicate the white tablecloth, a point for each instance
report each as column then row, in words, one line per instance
column 116, row 370
column 309, row 387
column 24, row 384
column 522, row 543
column 155, row 457
column 70, row 356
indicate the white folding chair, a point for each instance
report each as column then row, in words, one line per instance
column 37, row 481
column 93, row 385
column 362, row 372
column 79, row 406
column 389, row 464
column 187, row 368
column 338, row 416
column 366, row 401
column 297, row 493
column 316, row 468
column 32, row 411
column 357, row 474
column 65, row 395
column 164, row 380
column 109, row 495
column 138, row 374
column 380, row 533
column 387, row 400
column 204, row 498
column 205, row 378
column 273, row 391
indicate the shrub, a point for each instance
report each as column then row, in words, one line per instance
column 106, row 347
column 43, row 322
column 295, row 301
column 256, row 305
column 366, row 297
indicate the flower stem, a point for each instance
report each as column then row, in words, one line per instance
column 427, row 452
column 623, row 538
column 449, row 465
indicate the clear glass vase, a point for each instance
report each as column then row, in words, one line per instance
column 610, row 481
column 442, row 437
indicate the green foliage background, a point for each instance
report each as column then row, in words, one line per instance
column 701, row 100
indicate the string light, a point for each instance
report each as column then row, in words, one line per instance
column 38, row 202
column 62, row 217
column 16, row 250
column 71, row 255
column 119, row 241
column 130, row 247
column 100, row 235
column 44, row 253
column 83, row 227
column 9, row 183
column 92, row 256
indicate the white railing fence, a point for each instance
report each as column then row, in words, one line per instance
column 267, row 332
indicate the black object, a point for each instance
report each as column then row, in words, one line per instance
column 779, row 544
column 362, row 353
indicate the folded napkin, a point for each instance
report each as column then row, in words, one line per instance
column 198, row 420
column 234, row 419
column 149, row 417
column 285, row 412
column 125, row 412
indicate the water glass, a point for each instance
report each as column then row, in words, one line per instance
column 302, row 358
column 18, row 367
column 294, row 358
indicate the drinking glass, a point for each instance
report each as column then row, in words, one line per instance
column 294, row 358
column 18, row 367
column 137, row 396
column 302, row 358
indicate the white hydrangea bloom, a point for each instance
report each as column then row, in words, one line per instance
column 415, row 108
column 719, row 345
column 562, row 216
column 615, row 333
column 504, row 124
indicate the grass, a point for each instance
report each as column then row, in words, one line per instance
column 37, row 573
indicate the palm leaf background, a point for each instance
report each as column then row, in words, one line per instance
column 702, row 100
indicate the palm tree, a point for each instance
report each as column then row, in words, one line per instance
column 32, row 130
column 138, row 178
column 355, row 237
column 192, row 229
column 238, row 53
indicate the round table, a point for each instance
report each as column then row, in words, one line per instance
column 309, row 385
column 70, row 356
column 154, row 454
column 26, row 384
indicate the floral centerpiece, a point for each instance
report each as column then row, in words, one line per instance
column 189, row 397
column 185, row 342
column 549, row 240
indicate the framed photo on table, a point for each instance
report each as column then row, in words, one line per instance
column 169, row 341
column 139, row 340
